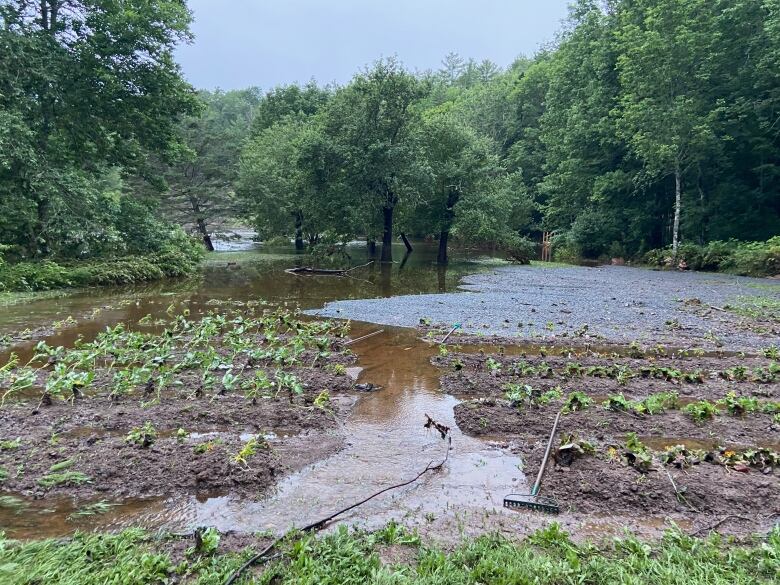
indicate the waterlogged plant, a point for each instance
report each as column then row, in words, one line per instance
column 323, row 400
column 735, row 374
column 738, row 405
column 257, row 386
column 143, row 436
column 248, row 451
column 636, row 454
column 548, row 396
column 701, row 411
column 63, row 382
column 493, row 366
column 571, row 449
column 576, row 401
column 457, row 364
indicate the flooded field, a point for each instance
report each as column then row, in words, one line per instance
column 371, row 436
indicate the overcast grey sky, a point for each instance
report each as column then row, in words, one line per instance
column 239, row 43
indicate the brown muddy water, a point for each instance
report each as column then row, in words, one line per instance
column 386, row 441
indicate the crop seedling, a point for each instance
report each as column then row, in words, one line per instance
column 681, row 457
column 771, row 352
column 457, row 364
column 143, row 436
column 257, row 386
column 493, row 366
column 701, row 411
column 518, row 394
column 10, row 445
column 289, row 382
column 202, row 448
column 206, row 542
column 637, row 455
column 617, row 402
column 337, row 369
column 656, row 403
column 323, row 400
column 576, row 401
column 73, row 478
column 571, row 449
column 738, row 406
column 552, row 395
column 248, row 451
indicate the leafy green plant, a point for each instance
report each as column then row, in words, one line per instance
column 617, row 402
column 656, row 403
column 701, row 411
column 322, row 400
column 249, row 450
column 143, row 436
column 73, row 478
column 10, row 444
column 493, row 366
column 738, row 405
column 637, row 454
column 576, row 401
column 257, row 386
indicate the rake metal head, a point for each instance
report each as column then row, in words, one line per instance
column 531, row 502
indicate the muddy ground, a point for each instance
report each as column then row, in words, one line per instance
column 80, row 447
column 603, row 483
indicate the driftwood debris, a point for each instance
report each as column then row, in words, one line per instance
column 324, row 271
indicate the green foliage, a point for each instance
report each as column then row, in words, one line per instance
column 576, row 401
column 701, row 411
column 143, row 436
column 65, row 478
column 738, row 406
column 180, row 257
column 744, row 258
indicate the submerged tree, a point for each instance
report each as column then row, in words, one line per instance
column 376, row 127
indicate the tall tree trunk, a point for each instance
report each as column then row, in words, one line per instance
column 387, row 234
column 204, row 233
column 443, row 237
column 299, row 230
column 371, row 243
column 449, row 216
column 409, row 248
column 677, row 207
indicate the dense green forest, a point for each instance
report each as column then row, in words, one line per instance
column 646, row 125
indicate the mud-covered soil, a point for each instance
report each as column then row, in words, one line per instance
column 693, row 378
column 209, row 440
column 603, row 483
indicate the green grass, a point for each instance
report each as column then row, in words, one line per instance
column 760, row 307
column 548, row 557
column 8, row 299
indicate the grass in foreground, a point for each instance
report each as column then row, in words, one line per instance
column 548, row 557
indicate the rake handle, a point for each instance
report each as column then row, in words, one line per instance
column 538, row 483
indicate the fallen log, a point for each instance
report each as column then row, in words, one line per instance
column 324, row 271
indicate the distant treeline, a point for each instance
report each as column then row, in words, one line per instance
column 647, row 124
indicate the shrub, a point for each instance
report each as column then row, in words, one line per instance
column 521, row 249
column 743, row 258
column 180, row 256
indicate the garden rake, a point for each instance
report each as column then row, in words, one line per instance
column 534, row 501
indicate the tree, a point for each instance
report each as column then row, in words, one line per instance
column 463, row 163
column 376, row 127
column 201, row 182
column 665, row 114
column 86, row 85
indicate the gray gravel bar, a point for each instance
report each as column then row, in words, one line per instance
column 619, row 303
